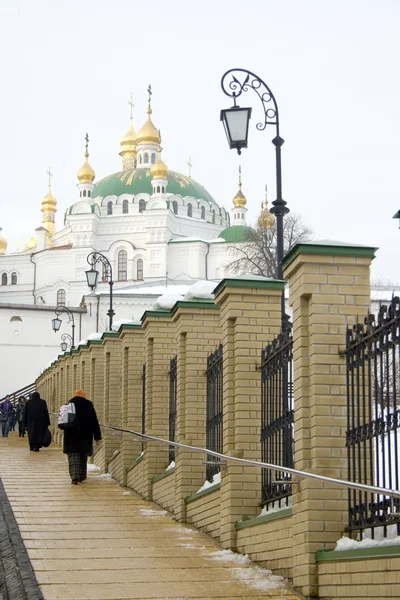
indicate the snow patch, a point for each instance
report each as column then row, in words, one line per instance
column 91, row 468
column 167, row 301
column 348, row 544
column 202, row 290
column 207, row 484
column 149, row 512
column 171, row 466
column 118, row 324
column 104, row 476
column 255, row 577
column 127, row 493
column 275, row 508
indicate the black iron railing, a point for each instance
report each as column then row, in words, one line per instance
column 172, row 404
column 277, row 417
column 373, row 418
column 25, row 391
column 143, row 401
column 214, row 415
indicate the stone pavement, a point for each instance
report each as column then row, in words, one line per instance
column 100, row 541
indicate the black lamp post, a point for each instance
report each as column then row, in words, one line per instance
column 236, row 122
column 56, row 323
column 92, row 276
column 66, row 339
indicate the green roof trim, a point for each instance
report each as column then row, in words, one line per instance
column 128, row 326
column 358, row 554
column 327, row 249
column 163, row 475
column 193, row 304
column 197, row 495
column 138, row 181
column 155, row 313
column 255, row 282
column 282, row 514
column 139, row 459
column 238, row 233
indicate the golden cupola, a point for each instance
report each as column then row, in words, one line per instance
column 3, row 244
column 240, row 199
column 149, row 134
column 49, row 208
column 128, row 145
column 86, row 174
column 159, row 170
column 266, row 220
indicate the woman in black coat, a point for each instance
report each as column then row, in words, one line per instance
column 78, row 440
column 36, row 420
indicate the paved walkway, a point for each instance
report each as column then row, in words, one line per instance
column 100, row 541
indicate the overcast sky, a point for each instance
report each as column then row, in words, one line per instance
column 333, row 66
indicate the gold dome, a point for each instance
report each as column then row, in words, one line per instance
column 49, row 203
column 159, row 170
column 32, row 243
column 266, row 220
column 240, row 199
column 129, row 138
column 148, row 134
column 3, row 244
column 86, row 173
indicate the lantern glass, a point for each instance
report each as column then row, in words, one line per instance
column 63, row 346
column 236, row 123
column 56, row 324
column 92, row 276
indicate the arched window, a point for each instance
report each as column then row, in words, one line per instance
column 104, row 273
column 153, row 158
column 163, row 189
column 89, row 193
column 139, row 270
column 234, row 216
column 242, row 215
column 80, row 194
column 142, row 206
column 122, row 265
column 203, row 213
column 158, row 189
column 84, row 193
column 13, row 279
column 140, row 159
column 4, row 279
column 213, row 217
column 146, row 158
column 61, row 296
column 125, row 207
column 109, row 208
column 175, row 207
column 189, row 210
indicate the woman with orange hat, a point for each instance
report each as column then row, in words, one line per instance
column 78, row 440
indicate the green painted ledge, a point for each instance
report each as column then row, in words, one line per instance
column 246, row 282
column 282, row 514
column 139, row 459
column 361, row 554
column 209, row 490
column 328, row 250
column 163, row 475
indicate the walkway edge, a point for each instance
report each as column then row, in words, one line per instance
column 17, row 578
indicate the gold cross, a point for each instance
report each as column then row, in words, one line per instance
column 87, row 145
column 150, row 94
column 130, row 102
column 240, row 177
column 49, row 173
column 190, row 166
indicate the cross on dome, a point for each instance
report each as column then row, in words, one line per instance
column 189, row 163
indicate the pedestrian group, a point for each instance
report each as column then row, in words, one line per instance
column 33, row 417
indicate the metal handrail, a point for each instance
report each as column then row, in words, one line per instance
column 263, row 465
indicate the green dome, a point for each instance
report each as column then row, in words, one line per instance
column 137, row 181
column 238, row 233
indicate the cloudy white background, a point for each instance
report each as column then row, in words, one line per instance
column 333, row 66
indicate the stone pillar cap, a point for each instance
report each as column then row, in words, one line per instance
column 328, row 248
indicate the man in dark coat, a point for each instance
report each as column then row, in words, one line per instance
column 78, row 440
column 36, row 420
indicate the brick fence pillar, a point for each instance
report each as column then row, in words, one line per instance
column 250, row 317
column 329, row 287
column 198, row 333
column 112, row 394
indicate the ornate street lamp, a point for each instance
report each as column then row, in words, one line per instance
column 92, row 277
column 234, row 83
column 66, row 339
column 56, row 323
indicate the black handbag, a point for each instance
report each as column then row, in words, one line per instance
column 47, row 438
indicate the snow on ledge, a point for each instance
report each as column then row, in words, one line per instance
column 171, row 466
column 207, row 484
column 348, row 544
column 201, row 290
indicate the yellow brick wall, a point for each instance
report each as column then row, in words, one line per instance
column 204, row 513
column 367, row 578
column 164, row 492
column 269, row 545
column 116, row 468
column 135, row 479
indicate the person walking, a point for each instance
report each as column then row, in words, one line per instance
column 36, row 421
column 78, row 440
column 20, row 415
column 6, row 413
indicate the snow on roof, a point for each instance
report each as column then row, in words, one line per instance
column 117, row 324
column 92, row 336
column 201, row 290
column 157, row 290
column 195, row 239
